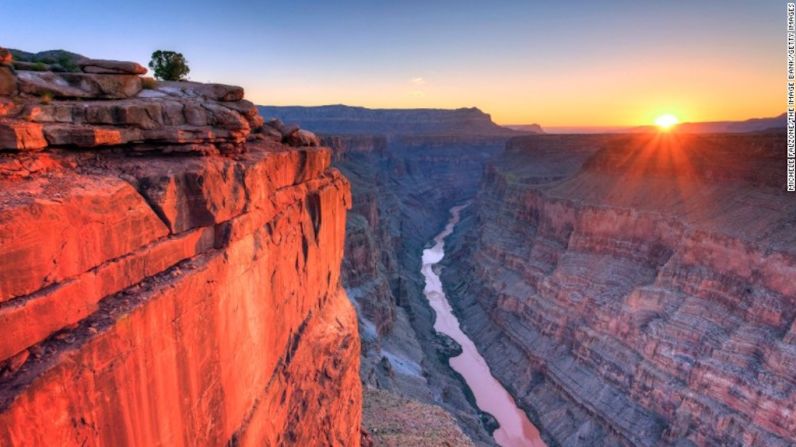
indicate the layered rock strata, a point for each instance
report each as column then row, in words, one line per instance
column 152, row 299
column 347, row 120
column 636, row 290
column 402, row 187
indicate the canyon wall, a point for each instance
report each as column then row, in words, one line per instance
column 347, row 120
column 636, row 290
column 169, row 269
column 402, row 187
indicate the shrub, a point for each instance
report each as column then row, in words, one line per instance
column 169, row 65
column 46, row 98
column 39, row 66
column 148, row 83
column 68, row 64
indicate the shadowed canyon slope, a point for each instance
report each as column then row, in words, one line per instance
column 636, row 290
column 170, row 269
column 403, row 183
column 340, row 119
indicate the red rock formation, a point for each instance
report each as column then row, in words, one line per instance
column 647, row 287
column 171, row 299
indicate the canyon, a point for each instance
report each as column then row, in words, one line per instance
column 602, row 277
column 403, row 183
column 182, row 267
column 636, row 290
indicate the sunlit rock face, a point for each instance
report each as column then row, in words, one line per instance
column 179, row 285
column 636, row 290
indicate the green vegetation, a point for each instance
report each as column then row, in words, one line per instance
column 169, row 65
column 68, row 64
column 56, row 60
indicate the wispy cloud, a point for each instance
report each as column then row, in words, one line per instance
column 418, row 85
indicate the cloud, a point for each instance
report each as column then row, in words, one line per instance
column 418, row 81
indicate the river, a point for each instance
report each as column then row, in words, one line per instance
column 515, row 430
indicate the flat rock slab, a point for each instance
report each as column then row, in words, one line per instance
column 102, row 66
column 8, row 82
column 185, row 89
column 78, row 85
column 21, row 135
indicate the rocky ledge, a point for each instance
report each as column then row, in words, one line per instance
column 109, row 104
column 192, row 298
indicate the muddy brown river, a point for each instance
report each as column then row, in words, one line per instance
column 515, row 430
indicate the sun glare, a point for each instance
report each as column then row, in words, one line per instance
column 666, row 122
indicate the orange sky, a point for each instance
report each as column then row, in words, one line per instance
column 575, row 63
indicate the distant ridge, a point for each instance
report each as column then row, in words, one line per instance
column 750, row 125
column 773, row 124
column 347, row 120
column 527, row 128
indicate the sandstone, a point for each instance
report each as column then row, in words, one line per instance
column 150, row 296
column 187, row 89
column 5, row 56
column 201, row 192
column 100, row 66
column 21, row 135
column 74, row 210
column 15, row 362
column 302, row 137
column 8, row 82
column 86, row 136
column 78, row 85
column 141, row 122
column 643, row 314
column 237, row 321
column 280, row 127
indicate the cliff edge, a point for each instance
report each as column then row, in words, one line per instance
column 169, row 268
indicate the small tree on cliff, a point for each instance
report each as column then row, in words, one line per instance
column 169, row 65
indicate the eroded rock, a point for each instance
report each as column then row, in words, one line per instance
column 100, row 66
column 78, row 85
column 8, row 82
column 21, row 135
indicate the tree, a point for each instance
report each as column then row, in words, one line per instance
column 169, row 65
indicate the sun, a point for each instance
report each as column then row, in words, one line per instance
column 666, row 122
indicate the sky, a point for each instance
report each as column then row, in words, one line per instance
column 557, row 63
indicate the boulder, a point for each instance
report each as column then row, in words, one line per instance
column 280, row 127
column 5, row 56
column 8, row 82
column 185, row 89
column 21, row 135
column 270, row 132
column 301, row 138
column 78, row 85
column 101, row 66
column 7, row 107
column 87, row 136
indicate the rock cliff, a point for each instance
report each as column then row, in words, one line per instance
column 347, row 120
column 169, row 269
column 402, row 187
column 636, row 290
